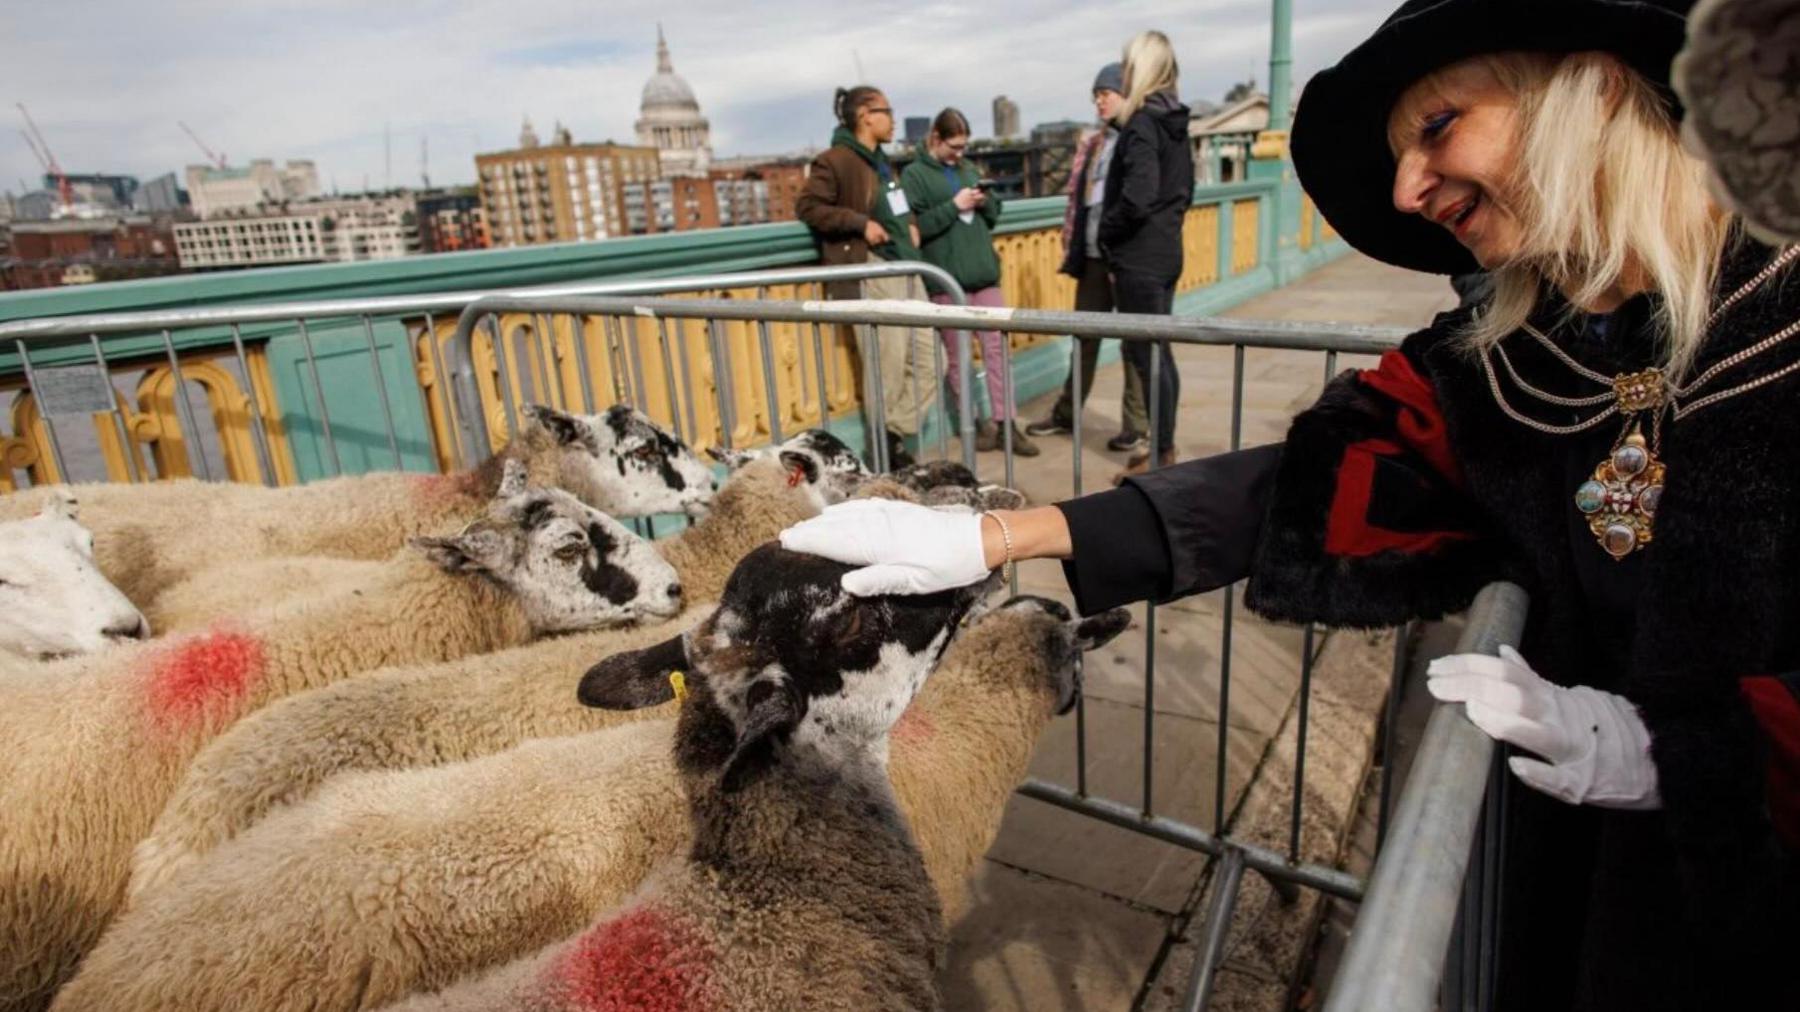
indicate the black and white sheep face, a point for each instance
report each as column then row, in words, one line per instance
column 53, row 600
column 570, row 566
column 790, row 657
column 814, row 456
column 1065, row 639
column 626, row 464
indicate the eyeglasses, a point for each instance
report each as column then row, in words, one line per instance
column 879, row 110
column 962, row 145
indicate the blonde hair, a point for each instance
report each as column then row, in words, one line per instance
column 1149, row 68
column 1605, row 196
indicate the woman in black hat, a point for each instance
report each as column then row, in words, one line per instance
column 1616, row 428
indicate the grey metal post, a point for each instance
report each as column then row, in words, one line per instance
column 387, row 410
column 662, row 339
column 185, row 408
column 1076, row 404
column 578, row 333
column 1150, row 606
column 312, row 364
column 1396, row 953
column 965, row 403
column 552, row 361
column 265, row 460
column 637, row 366
column 1229, row 875
column 1226, row 620
column 1006, row 430
column 771, row 396
column 503, row 349
column 876, row 400
column 819, row 369
column 118, row 416
column 446, row 392
column 687, row 379
column 56, row 453
column 723, row 388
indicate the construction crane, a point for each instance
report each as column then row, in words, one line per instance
column 218, row 160
column 41, row 148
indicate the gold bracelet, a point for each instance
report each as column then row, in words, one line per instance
column 1005, row 540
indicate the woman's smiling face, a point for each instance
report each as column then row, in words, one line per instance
column 1455, row 137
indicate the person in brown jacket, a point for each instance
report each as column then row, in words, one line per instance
column 858, row 213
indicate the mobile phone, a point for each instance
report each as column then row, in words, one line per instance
column 984, row 184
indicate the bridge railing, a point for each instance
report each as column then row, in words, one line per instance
column 252, row 377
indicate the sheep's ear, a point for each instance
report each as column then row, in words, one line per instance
column 565, row 428
column 772, row 710
column 476, row 550
column 794, row 462
column 634, row 679
column 62, row 504
column 732, row 459
column 512, row 479
column 1096, row 631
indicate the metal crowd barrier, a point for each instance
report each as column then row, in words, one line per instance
column 154, row 334
column 1426, row 936
column 1285, row 871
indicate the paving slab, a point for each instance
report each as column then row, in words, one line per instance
column 1029, row 944
column 1073, row 848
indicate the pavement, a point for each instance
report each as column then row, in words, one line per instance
column 1069, row 913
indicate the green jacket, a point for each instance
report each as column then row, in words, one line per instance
column 899, row 245
column 964, row 248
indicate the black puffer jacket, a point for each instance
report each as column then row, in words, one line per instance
column 1148, row 189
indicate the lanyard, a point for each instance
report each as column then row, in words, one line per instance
column 887, row 173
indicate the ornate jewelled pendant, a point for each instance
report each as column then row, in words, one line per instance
column 1620, row 500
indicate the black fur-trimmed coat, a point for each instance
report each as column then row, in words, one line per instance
column 1406, row 488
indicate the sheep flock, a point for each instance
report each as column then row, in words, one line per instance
column 471, row 741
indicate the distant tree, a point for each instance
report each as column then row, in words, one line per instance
column 1240, row 91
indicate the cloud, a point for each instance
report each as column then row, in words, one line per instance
column 355, row 86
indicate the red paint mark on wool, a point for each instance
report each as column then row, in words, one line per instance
column 436, row 489
column 642, row 961
column 913, row 727
column 200, row 675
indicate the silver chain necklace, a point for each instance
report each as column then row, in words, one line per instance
column 1620, row 500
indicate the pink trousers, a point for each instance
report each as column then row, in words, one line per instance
column 995, row 359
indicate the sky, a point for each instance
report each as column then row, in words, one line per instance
column 107, row 80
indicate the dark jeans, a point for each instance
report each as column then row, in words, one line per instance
column 1137, row 293
column 1093, row 293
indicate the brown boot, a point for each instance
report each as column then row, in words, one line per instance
column 1022, row 446
column 987, row 435
column 1139, row 463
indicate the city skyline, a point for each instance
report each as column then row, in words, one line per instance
column 342, row 84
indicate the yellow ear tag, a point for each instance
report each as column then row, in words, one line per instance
column 678, row 682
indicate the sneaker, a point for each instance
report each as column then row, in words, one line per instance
column 1048, row 427
column 1128, row 442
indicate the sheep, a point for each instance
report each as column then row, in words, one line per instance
column 803, row 886
column 446, row 712
column 619, row 462
column 96, row 755
column 423, row 876
column 53, row 601
column 827, row 459
column 204, row 598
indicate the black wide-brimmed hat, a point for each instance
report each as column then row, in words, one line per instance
column 1340, row 141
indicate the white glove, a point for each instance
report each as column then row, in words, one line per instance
column 904, row 548
column 1597, row 747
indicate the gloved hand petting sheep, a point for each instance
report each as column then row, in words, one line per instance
column 904, row 548
column 1595, row 748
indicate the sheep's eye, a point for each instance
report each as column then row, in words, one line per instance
column 645, row 452
column 572, row 551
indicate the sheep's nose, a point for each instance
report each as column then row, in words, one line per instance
column 674, row 591
column 136, row 628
